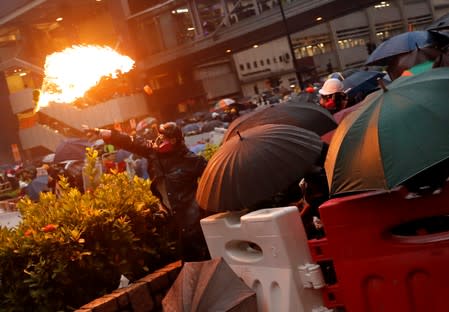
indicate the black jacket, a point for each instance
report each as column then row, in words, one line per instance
column 175, row 173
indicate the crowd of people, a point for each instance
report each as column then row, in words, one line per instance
column 161, row 154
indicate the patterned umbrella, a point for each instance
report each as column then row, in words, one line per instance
column 394, row 135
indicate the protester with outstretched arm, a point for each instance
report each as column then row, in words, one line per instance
column 174, row 171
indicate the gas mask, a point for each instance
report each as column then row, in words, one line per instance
column 328, row 102
column 164, row 144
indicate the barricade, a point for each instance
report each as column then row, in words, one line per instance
column 268, row 250
column 389, row 253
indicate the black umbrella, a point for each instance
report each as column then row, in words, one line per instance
column 404, row 43
column 440, row 23
column 293, row 112
column 71, row 149
column 442, row 60
column 255, row 165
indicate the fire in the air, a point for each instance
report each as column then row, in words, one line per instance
column 69, row 74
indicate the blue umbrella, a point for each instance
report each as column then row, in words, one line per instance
column 71, row 149
column 404, row 43
column 198, row 148
column 121, row 155
column 193, row 128
column 36, row 186
column 360, row 84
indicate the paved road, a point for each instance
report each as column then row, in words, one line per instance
column 9, row 219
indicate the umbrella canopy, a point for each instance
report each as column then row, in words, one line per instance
column 442, row 60
column 145, row 123
column 209, row 286
column 71, row 149
column 211, row 125
column 418, row 69
column 256, row 164
column 121, row 155
column 293, row 112
column 224, row 103
column 440, row 23
column 193, row 128
column 339, row 116
column 403, row 43
column 361, row 83
column 407, row 60
column 49, row 158
column 36, row 186
column 198, row 148
column 393, row 136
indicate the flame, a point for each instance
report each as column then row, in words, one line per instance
column 73, row 71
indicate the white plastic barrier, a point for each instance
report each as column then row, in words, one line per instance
column 268, row 250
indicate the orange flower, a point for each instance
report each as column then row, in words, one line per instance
column 49, row 228
column 29, row 232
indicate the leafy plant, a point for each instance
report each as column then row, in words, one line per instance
column 72, row 248
column 209, row 150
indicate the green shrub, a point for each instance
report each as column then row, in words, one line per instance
column 209, row 150
column 71, row 249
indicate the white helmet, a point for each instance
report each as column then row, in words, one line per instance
column 331, row 86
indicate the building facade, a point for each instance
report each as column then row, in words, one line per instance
column 190, row 52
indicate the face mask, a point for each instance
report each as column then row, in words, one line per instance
column 330, row 104
column 165, row 147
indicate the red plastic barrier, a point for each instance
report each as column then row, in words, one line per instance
column 389, row 253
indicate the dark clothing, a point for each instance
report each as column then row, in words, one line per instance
column 174, row 180
column 429, row 180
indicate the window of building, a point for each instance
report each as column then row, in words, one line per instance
column 262, row 62
column 351, row 43
column 388, row 30
column 242, row 67
column 248, row 65
column 255, row 64
column 268, row 61
column 312, row 45
column 211, row 15
column 382, row 5
column 352, row 37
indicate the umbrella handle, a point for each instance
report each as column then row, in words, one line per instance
column 381, row 83
column 305, row 207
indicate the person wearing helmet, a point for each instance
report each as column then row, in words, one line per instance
column 174, row 171
column 333, row 97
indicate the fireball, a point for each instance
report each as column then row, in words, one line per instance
column 69, row 74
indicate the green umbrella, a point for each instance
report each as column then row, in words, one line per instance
column 394, row 135
column 418, row 69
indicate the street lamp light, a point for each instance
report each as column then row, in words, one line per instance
column 290, row 44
